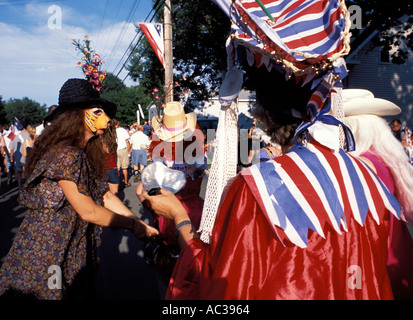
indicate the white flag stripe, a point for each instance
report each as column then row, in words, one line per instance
column 299, row 197
column 316, row 185
column 269, row 207
column 350, row 190
column 330, row 172
column 293, row 236
column 367, row 192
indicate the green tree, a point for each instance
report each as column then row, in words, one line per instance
column 127, row 100
column 3, row 115
column 26, row 110
column 112, row 83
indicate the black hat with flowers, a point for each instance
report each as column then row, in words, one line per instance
column 80, row 94
column 84, row 93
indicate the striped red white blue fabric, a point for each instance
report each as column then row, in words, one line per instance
column 299, row 34
column 154, row 35
column 311, row 186
column 290, row 28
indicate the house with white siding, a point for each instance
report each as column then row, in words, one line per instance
column 370, row 68
column 208, row 111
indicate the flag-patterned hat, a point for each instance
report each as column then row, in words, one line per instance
column 302, row 38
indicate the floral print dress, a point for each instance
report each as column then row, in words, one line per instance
column 54, row 253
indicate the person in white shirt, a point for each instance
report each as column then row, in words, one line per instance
column 139, row 143
column 123, row 152
column 17, row 154
column 6, row 142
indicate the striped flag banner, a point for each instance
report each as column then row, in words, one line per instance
column 311, row 186
column 154, row 34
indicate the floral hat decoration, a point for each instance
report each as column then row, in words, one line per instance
column 82, row 93
column 91, row 63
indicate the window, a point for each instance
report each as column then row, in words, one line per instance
column 384, row 56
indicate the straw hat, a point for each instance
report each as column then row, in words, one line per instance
column 174, row 125
column 361, row 101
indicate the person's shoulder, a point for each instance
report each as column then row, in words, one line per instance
column 23, row 135
column 122, row 131
column 70, row 152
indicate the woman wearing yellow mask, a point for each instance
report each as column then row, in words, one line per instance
column 68, row 200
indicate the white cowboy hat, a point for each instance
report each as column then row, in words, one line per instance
column 174, row 125
column 362, row 101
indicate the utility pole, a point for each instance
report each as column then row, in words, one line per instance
column 168, row 51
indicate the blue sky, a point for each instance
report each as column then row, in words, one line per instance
column 36, row 51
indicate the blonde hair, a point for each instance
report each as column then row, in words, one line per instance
column 32, row 132
column 373, row 134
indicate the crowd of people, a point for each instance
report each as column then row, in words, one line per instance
column 17, row 140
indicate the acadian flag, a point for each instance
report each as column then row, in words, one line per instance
column 15, row 129
column 154, row 34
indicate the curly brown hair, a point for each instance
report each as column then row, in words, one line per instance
column 277, row 97
column 68, row 129
column 109, row 138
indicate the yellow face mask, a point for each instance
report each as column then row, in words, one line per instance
column 96, row 119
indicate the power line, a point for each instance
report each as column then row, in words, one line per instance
column 158, row 5
column 139, row 40
column 103, row 19
column 113, row 23
column 123, row 31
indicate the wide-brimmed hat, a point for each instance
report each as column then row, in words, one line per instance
column 362, row 101
column 174, row 125
column 80, row 94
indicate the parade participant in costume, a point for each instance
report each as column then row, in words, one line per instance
column 308, row 224
column 378, row 146
column 178, row 142
column 54, row 253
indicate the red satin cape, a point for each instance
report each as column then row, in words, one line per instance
column 244, row 259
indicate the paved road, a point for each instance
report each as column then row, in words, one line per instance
column 123, row 274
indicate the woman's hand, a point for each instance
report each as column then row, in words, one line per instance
column 164, row 204
column 167, row 205
column 141, row 230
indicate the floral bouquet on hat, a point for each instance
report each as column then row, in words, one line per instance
column 91, row 63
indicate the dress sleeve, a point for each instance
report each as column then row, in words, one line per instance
column 41, row 189
column 66, row 166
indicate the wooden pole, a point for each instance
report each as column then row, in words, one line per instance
column 168, row 52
